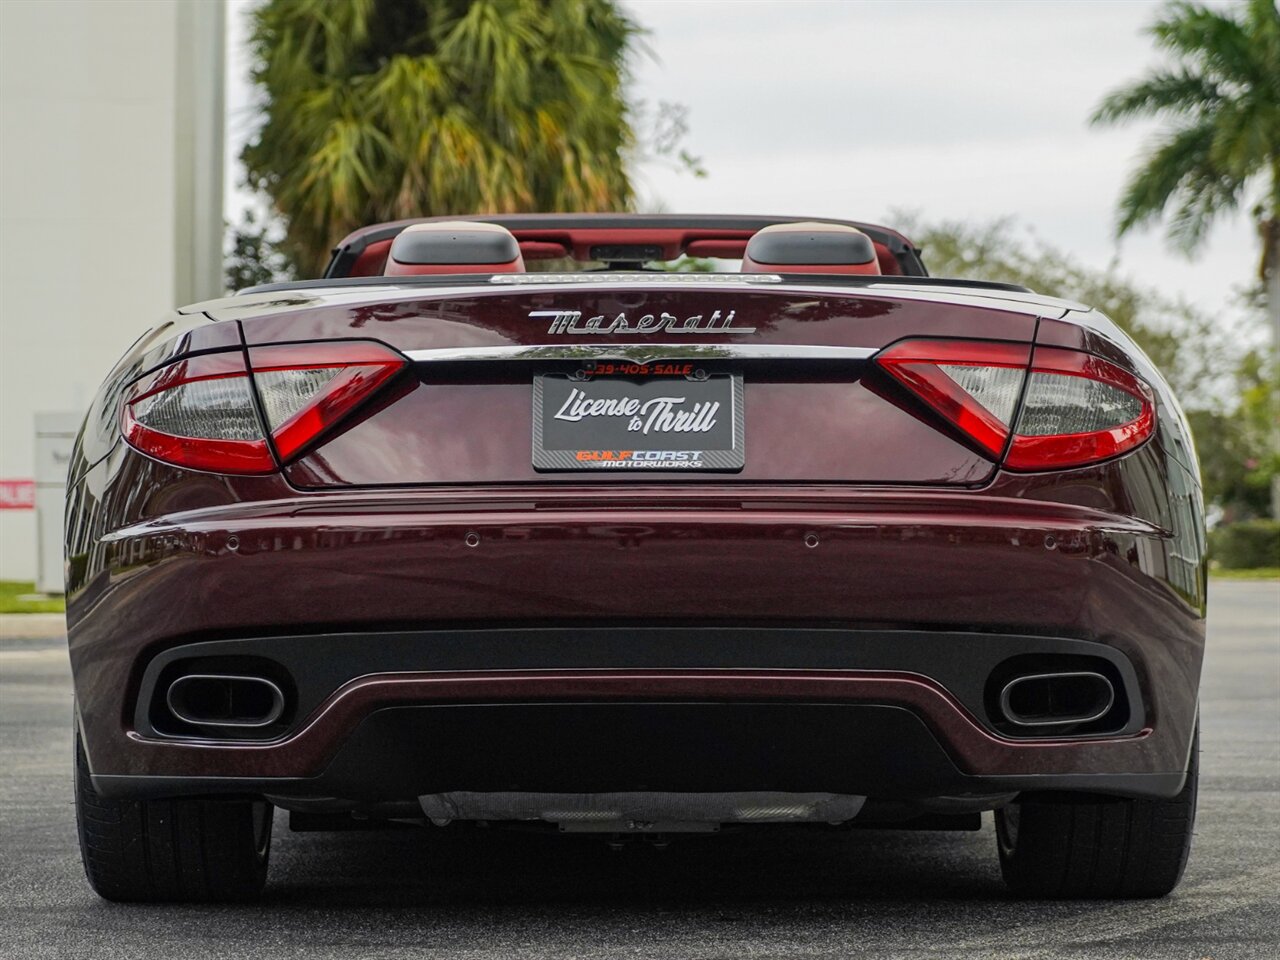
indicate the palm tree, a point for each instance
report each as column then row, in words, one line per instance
column 382, row 109
column 1221, row 98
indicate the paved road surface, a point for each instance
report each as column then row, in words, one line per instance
column 868, row 894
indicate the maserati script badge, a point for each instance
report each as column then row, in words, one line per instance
column 571, row 321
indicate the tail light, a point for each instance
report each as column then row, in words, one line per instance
column 1076, row 408
column 208, row 412
column 199, row 413
column 1079, row 409
column 307, row 388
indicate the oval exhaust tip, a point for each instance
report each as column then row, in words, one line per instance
column 1057, row 699
column 225, row 700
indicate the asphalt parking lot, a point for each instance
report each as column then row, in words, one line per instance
column 870, row 894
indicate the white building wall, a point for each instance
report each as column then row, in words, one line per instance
column 110, row 201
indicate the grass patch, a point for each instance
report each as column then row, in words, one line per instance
column 18, row 596
column 1257, row 573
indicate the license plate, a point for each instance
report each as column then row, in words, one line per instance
column 656, row 423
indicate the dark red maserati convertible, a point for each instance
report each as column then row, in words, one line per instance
column 507, row 520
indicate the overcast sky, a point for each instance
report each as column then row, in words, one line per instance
column 952, row 109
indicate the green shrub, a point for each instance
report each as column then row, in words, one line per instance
column 17, row 596
column 1245, row 545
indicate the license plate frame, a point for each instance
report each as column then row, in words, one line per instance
column 639, row 431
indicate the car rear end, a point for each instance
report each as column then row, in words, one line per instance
column 638, row 554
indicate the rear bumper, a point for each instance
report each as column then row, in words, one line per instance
column 791, row 648
column 861, row 747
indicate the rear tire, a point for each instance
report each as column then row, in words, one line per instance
column 1083, row 846
column 171, row 850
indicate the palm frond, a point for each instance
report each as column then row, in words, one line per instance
column 1150, row 187
column 379, row 109
column 1222, row 97
column 1172, row 93
column 1180, row 172
column 1215, row 42
column 1244, row 141
column 1201, row 199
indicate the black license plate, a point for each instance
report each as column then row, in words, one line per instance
column 656, row 423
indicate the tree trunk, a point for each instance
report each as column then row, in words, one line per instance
column 1271, row 276
column 1271, row 287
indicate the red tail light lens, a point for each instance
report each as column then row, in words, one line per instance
column 202, row 412
column 973, row 384
column 1076, row 408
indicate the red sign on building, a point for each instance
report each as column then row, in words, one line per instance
column 17, row 494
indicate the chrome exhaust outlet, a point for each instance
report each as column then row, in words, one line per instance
column 1057, row 699
column 225, row 700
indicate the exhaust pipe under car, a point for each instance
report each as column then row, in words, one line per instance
column 225, row 700
column 1057, row 699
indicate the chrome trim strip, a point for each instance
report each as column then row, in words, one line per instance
column 1045, row 305
column 609, row 277
column 642, row 352
column 1014, row 719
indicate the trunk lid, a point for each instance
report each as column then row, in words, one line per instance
column 792, row 363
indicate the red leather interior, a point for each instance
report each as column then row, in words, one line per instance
column 542, row 244
column 372, row 260
column 728, row 249
column 542, row 249
column 889, row 265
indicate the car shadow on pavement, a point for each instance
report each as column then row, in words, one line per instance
column 462, row 866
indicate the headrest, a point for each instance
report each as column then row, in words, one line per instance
column 454, row 246
column 810, row 248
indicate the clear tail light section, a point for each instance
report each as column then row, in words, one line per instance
column 306, row 388
column 208, row 412
column 1079, row 409
column 1075, row 409
column 199, row 413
